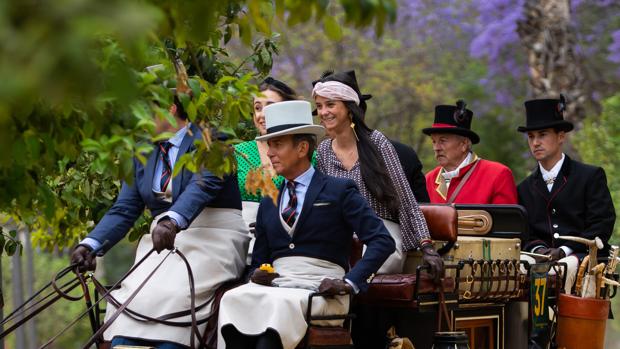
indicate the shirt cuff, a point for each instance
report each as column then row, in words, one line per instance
column 356, row 289
column 93, row 244
column 179, row 220
column 567, row 250
column 533, row 250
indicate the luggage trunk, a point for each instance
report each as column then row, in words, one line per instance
column 490, row 267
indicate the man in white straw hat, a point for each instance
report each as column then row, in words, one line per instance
column 307, row 237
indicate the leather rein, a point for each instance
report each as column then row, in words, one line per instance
column 26, row 311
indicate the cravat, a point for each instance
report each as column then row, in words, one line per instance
column 166, row 172
column 289, row 212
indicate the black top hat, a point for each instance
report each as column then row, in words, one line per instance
column 545, row 113
column 454, row 119
column 347, row 78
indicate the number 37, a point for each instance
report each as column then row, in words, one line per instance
column 539, row 308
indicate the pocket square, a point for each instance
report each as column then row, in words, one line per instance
column 317, row 204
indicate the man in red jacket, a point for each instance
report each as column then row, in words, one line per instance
column 462, row 177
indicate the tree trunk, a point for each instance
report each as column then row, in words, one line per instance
column 548, row 37
column 2, row 304
column 18, row 297
column 31, row 332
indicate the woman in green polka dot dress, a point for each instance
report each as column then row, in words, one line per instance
column 253, row 154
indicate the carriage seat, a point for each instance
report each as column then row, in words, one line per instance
column 402, row 290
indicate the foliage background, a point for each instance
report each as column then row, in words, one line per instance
column 76, row 102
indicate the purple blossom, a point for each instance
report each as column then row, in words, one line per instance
column 614, row 48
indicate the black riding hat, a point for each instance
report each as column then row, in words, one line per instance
column 455, row 119
column 545, row 113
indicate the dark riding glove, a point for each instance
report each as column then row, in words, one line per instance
column 434, row 261
column 556, row 254
column 164, row 234
column 82, row 257
column 263, row 277
column 333, row 287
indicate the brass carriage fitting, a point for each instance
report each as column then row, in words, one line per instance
column 474, row 222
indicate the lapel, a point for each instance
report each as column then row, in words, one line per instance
column 440, row 185
column 560, row 181
column 279, row 210
column 316, row 186
column 187, row 142
column 279, row 201
column 149, row 173
column 558, row 185
column 539, row 184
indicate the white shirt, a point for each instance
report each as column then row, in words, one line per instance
column 549, row 176
column 448, row 175
column 302, row 182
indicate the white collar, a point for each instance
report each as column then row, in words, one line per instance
column 447, row 175
column 554, row 170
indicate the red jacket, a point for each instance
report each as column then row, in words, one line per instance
column 490, row 183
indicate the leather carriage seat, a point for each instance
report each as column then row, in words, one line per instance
column 398, row 290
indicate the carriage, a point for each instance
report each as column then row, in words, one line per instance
column 488, row 293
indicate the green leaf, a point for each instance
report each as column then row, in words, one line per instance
column 191, row 111
column 227, row 34
column 332, row 28
column 2, row 241
column 195, row 86
column 10, row 247
column 180, row 163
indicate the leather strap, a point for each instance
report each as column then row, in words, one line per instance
column 164, row 319
column 45, row 304
column 119, row 311
column 462, row 183
column 443, row 309
column 97, row 302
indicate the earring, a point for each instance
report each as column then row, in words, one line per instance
column 353, row 128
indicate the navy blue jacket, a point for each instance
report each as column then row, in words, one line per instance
column 333, row 209
column 191, row 193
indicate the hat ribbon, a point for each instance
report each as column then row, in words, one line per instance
column 444, row 125
column 283, row 127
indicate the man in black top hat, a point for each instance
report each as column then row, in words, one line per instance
column 462, row 177
column 561, row 195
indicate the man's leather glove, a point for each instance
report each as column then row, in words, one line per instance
column 164, row 234
column 81, row 255
column 434, row 261
column 263, row 277
column 333, row 287
column 555, row 253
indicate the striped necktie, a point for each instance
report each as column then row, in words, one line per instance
column 166, row 172
column 289, row 212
